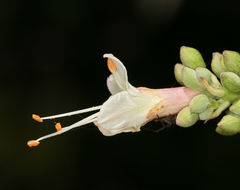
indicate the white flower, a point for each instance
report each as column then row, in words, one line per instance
column 127, row 109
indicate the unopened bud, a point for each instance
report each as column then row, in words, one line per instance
column 206, row 114
column 235, row 108
column 191, row 57
column 208, row 75
column 229, row 125
column 190, row 79
column 231, row 81
column 186, row 118
column 217, row 64
column 232, row 61
column 199, row 103
column 178, row 68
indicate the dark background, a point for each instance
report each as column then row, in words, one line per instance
column 51, row 62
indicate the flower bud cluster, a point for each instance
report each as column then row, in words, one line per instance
column 214, row 96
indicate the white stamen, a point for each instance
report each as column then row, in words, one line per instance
column 72, row 113
column 89, row 119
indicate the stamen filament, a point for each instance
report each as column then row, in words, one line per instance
column 72, row 113
column 90, row 119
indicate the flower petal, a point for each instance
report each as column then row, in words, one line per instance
column 118, row 70
column 123, row 112
column 112, row 85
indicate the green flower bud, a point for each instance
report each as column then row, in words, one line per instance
column 205, row 73
column 191, row 57
column 229, row 125
column 190, row 79
column 217, row 64
column 232, row 61
column 206, row 114
column 178, row 68
column 235, row 108
column 199, row 103
column 186, row 118
column 230, row 81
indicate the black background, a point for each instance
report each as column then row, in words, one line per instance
column 51, row 62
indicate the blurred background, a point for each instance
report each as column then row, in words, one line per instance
column 51, row 62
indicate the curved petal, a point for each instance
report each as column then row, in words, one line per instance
column 118, row 70
column 123, row 112
column 112, row 85
column 118, row 81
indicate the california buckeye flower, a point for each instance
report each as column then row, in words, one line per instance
column 128, row 108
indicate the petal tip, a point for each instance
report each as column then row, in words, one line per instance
column 107, row 55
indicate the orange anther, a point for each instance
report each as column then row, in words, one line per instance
column 58, row 126
column 37, row 118
column 111, row 65
column 32, row 143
